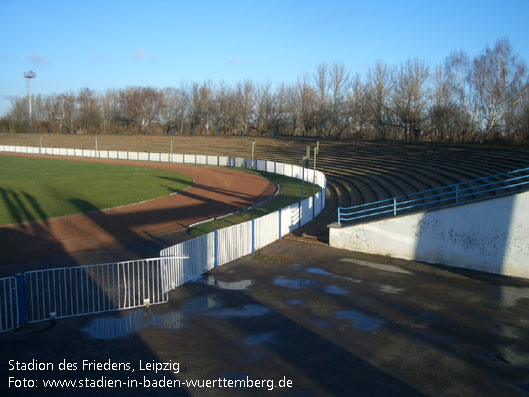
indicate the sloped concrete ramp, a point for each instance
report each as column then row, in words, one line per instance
column 490, row 236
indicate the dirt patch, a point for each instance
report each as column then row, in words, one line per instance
column 215, row 191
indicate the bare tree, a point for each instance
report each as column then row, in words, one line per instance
column 447, row 120
column 307, row 103
column 89, row 116
column 339, row 85
column 200, row 105
column 63, row 111
column 376, row 95
column 499, row 82
column 518, row 121
column 110, row 112
column 183, row 105
column 19, row 109
column 410, row 96
column 458, row 72
column 225, row 114
column 265, row 112
column 293, row 112
column 40, row 109
column 169, row 108
column 279, row 113
column 355, row 117
column 245, row 102
column 147, row 100
column 125, row 108
column 17, row 117
column 321, row 90
column 206, row 99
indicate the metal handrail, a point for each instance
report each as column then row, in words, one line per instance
column 456, row 193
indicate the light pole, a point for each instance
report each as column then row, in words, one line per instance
column 304, row 163
column 316, row 151
column 29, row 75
column 253, row 149
column 303, row 178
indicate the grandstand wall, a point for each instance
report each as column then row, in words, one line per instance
column 489, row 236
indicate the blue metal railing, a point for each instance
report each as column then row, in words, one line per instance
column 454, row 194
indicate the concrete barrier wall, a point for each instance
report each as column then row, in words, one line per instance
column 491, row 236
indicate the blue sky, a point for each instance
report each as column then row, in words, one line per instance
column 115, row 44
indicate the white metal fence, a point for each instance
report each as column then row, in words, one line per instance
column 230, row 243
column 67, row 292
column 189, row 260
column 266, row 230
column 233, row 242
column 8, row 304
column 74, row 291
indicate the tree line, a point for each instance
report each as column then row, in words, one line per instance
column 480, row 99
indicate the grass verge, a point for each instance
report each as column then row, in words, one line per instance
column 289, row 193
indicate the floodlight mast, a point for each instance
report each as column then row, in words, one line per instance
column 29, row 75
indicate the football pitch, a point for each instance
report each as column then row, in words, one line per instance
column 38, row 189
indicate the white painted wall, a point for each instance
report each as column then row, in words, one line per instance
column 491, row 236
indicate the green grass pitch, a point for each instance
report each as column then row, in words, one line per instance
column 35, row 189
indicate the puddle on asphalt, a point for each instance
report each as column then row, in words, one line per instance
column 315, row 270
column 252, row 355
column 294, row 302
column 257, row 339
column 118, row 327
column 321, row 272
column 497, row 358
column 360, row 321
column 322, row 323
column 245, row 311
column 228, row 285
column 377, row 266
column 506, row 355
column 506, row 295
column 509, row 332
column 524, row 387
column 333, row 289
column 292, row 283
column 513, row 354
column 390, row 289
column 429, row 333
column 296, row 266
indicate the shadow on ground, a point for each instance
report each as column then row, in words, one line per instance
column 332, row 321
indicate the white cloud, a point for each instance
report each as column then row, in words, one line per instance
column 38, row 59
column 234, row 60
column 101, row 57
column 142, row 53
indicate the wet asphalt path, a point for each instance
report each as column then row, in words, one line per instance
column 331, row 321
